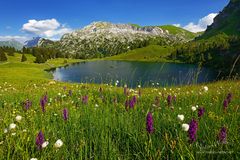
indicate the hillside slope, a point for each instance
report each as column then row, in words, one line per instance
column 149, row 53
column 180, row 32
column 227, row 21
column 12, row 43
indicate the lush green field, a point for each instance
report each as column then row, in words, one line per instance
column 151, row 53
column 180, row 31
column 100, row 126
column 15, row 70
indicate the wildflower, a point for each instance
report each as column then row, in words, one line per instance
column 169, row 100
column 33, row 159
column 134, row 99
column 18, row 118
column 149, row 123
column 65, row 114
column 229, row 97
column 58, row 143
column 39, row 140
column 205, row 88
column 14, row 133
column 12, row 126
column 201, row 112
column 185, row 127
column 5, row 130
column 193, row 127
column 139, row 86
column 85, row 99
column 194, row 108
column 45, row 97
column 225, row 104
column 222, row 136
column 180, row 117
column 27, row 104
column 42, row 104
column 131, row 103
column 64, row 88
column 45, row 144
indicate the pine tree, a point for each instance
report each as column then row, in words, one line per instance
column 3, row 56
column 24, row 58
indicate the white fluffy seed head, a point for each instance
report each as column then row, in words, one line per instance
column 185, row 127
column 12, row 126
column 18, row 118
column 194, row 108
column 180, row 117
column 58, row 143
column 205, row 88
column 45, row 144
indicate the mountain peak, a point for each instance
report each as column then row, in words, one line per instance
column 32, row 42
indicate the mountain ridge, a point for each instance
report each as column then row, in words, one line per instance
column 100, row 39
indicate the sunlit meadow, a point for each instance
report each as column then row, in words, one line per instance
column 46, row 119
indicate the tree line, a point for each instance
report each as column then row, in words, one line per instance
column 220, row 52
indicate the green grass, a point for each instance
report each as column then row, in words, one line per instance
column 16, row 70
column 180, row 31
column 103, row 128
column 151, row 53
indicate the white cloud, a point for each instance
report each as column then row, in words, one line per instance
column 177, row 25
column 49, row 28
column 202, row 23
column 21, row 39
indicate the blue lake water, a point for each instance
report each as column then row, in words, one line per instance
column 134, row 73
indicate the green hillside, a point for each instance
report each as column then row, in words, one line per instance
column 149, row 53
column 227, row 21
column 180, row 31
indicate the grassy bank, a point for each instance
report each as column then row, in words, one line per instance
column 15, row 70
column 151, row 53
column 100, row 126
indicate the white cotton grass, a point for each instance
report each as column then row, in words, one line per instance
column 185, row 127
column 180, row 117
column 12, row 126
column 45, row 144
column 205, row 88
column 58, row 143
column 194, row 108
column 5, row 130
column 18, row 118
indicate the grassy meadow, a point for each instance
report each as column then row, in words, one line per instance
column 151, row 53
column 90, row 121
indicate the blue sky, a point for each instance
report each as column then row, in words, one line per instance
column 62, row 16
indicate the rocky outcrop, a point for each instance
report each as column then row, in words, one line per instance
column 106, row 39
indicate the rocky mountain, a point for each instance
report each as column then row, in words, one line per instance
column 32, row 43
column 227, row 21
column 45, row 43
column 12, row 43
column 105, row 39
